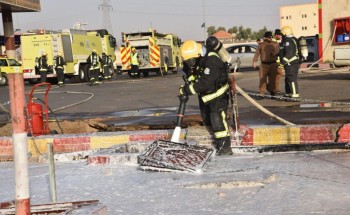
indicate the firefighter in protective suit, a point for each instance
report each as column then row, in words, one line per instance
column 43, row 67
column 289, row 57
column 135, row 63
column 208, row 78
column 59, row 63
column 94, row 63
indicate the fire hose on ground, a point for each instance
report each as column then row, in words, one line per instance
column 260, row 107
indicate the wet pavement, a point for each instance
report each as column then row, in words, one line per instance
column 152, row 100
column 252, row 183
column 306, row 182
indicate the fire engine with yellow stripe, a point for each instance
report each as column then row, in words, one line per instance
column 75, row 44
column 157, row 52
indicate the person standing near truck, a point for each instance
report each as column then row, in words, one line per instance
column 94, row 62
column 59, row 68
column 106, row 62
column 135, row 63
column 43, row 67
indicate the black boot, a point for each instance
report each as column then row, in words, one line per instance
column 223, row 146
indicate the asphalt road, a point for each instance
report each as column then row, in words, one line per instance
column 157, row 96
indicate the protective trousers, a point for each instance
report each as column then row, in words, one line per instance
column 43, row 76
column 60, row 75
column 94, row 73
column 267, row 75
column 214, row 114
column 291, row 80
column 134, row 71
column 106, row 72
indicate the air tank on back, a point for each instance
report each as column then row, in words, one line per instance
column 303, row 48
column 213, row 44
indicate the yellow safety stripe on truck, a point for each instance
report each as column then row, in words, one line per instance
column 126, row 57
column 154, row 53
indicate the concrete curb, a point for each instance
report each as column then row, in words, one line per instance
column 68, row 143
column 250, row 136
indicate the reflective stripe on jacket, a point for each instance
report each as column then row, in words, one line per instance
column 290, row 51
column 43, row 64
column 218, row 93
column 134, row 60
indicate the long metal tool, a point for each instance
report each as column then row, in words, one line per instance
column 180, row 114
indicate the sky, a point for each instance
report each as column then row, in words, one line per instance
column 181, row 17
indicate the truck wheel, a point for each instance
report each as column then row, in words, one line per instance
column 83, row 76
column 4, row 81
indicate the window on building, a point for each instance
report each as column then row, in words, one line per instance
column 290, row 17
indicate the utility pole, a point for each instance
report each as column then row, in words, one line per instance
column 204, row 24
column 19, row 135
column 106, row 8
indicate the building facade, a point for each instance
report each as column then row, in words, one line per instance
column 330, row 21
column 302, row 18
column 335, row 19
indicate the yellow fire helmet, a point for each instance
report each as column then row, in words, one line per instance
column 94, row 50
column 190, row 49
column 133, row 49
column 287, row 30
column 44, row 53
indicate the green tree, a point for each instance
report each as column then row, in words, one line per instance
column 233, row 30
column 241, row 32
column 211, row 30
column 249, row 33
column 260, row 34
column 221, row 29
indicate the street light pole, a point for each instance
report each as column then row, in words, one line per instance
column 204, row 25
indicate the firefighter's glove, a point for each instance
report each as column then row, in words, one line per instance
column 183, row 90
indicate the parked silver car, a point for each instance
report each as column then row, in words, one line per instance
column 242, row 56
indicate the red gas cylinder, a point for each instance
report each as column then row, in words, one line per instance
column 35, row 115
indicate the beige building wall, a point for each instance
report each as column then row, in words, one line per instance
column 302, row 18
column 331, row 11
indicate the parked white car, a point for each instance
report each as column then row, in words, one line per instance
column 242, row 56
